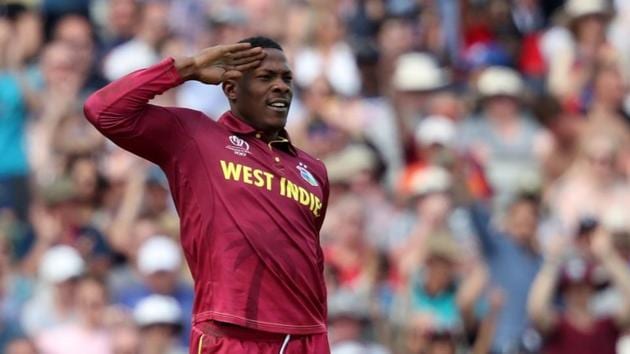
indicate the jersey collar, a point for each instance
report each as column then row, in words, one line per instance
column 239, row 126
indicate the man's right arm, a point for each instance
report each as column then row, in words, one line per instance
column 121, row 112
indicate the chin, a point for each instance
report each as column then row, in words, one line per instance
column 275, row 123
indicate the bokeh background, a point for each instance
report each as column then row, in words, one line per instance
column 471, row 144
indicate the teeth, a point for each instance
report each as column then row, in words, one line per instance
column 278, row 104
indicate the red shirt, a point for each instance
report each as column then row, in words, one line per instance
column 567, row 339
column 250, row 211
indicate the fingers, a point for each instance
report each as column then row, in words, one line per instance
column 248, row 66
column 246, row 53
column 236, row 47
column 247, row 60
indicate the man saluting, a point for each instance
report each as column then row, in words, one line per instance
column 251, row 204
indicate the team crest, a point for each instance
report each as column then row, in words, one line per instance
column 306, row 175
column 238, row 145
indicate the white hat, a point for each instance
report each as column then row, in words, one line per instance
column 157, row 309
column 580, row 8
column 436, row 130
column 430, row 179
column 418, row 72
column 61, row 263
column 499, row 81
column 159, row 253
column 349, row 162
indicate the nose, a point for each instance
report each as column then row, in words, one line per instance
column 279, row 86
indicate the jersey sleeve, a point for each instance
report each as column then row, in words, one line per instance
column 121, row 112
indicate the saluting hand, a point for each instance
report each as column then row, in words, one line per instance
column 216, row 64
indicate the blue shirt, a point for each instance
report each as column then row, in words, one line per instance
column 13, row 160
column 513, row 269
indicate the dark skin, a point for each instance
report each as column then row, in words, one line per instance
column 256, row 81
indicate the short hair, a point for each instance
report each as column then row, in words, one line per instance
column 262, row 42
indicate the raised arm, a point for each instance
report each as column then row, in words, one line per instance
column 539, row 306
column 481, row 221
column 610, row 259
column 121, row 110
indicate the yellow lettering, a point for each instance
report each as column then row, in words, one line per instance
column 258, row 178
column 304, row 196
column 282, row 186
column 293, row 191
column 314, row 200
column 231, row 170
column 269, row 179
column 318, row 206
column 247, row 174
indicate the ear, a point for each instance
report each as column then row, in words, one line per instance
column 230, row 89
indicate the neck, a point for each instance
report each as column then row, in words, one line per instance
column 267, row 134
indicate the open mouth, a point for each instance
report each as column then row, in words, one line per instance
column 279, row 105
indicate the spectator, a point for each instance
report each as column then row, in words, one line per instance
column 504, row 139
column 54, row 303
column 348, row 316
column 414, row 90
column 592, row 178
column 575, row 328
column 125, row 339
column 60, row 221
column 142, row 49
column 160, row 320
column 159, row 262
column 329, row 56
column 575, row 56
column 87, row 330
column 513, row 260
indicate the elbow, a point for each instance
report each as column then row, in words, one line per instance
column 91, row 109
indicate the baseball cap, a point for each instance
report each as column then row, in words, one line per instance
column 157, row 309
column 419, row 72
column 61, row 263
column 435, row 130
column 499, row 81
column 159, row 253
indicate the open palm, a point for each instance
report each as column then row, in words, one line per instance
column 218, row 63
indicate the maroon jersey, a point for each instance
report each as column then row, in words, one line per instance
column 601, row 338
column 250, row 210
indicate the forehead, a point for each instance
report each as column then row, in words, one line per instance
column 275, row 61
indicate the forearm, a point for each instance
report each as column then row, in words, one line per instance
column 470, row 291
column 541, row 293
column 485, row 333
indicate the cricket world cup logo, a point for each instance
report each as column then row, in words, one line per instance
column 238, row 145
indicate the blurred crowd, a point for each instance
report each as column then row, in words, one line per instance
column 478, row 153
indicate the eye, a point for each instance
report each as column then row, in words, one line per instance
column 288, row 79
column 264, row 77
